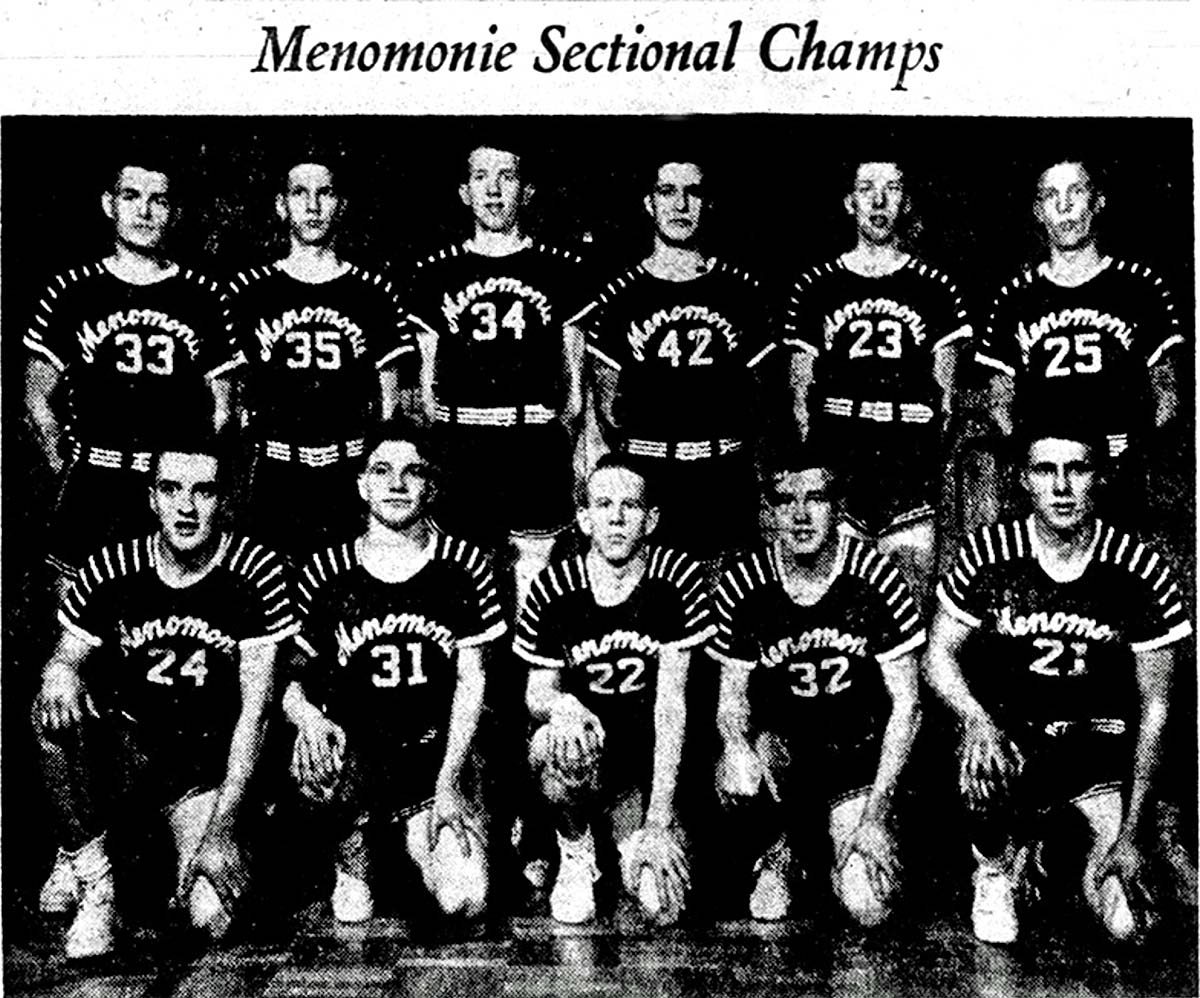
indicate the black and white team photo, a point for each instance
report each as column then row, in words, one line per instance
column 711, row 555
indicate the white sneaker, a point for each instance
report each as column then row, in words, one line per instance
column 994, row 911
column 60, row 893
column 92, row 931
column 573, row 899
column 771, row 898
column 352, row 901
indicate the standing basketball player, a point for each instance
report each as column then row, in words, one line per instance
column 500, row 375
column 136, row 338
column 396, row 623
column 818, row 639
column 678, row 343
column 875, row 336
column 322, row 350
column 1063, row 692
column 157, row 695
column 609, row 635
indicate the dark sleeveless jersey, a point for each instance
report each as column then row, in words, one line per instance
column 499, row 324
column 171, row 657
column 1060, row 649
column 685, row 352
column 816, row 669
column 312, row 351
column 1087, row 348
column 874, row 340
column 134, row 356
column 608, row 655
column 385, row 654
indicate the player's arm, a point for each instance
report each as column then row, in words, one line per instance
column 572, row 361
column 1164, row 388
column 739, row 772
column 1000, row 392
column 218, row 858
column 320, row 743
column 988, row 758
column 900, row 676
column 945, row 373
column 670, row 720
column 1154, row 672
column 63, row 699
column 41, row 380
column 389, row 393
column 449, row 808
column 800, row 377
column 427, row 344
column 224, row 396
column 575, row 732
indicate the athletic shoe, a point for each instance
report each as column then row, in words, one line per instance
column 352, row 901
column 772, row 898
column 573, row 899
column 994, row 911
column 91, row 933
column 60, row 893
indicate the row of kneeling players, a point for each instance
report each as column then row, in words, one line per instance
column 1053, row 643
column 528, row 363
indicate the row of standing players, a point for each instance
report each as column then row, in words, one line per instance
column 676, row 343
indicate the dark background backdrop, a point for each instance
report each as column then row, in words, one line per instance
column 777, row 184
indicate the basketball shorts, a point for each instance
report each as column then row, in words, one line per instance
column 500, row 481
column 296, row 509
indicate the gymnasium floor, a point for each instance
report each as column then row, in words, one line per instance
column 928, row 953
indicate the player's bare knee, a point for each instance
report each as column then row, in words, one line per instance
column 857, row 896
column 459, row 883
column 206, row 911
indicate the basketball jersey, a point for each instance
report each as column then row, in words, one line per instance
column 874, row 341
column 684, row 352
column 815, row 670
column 499, row 324
column 134, row 356
column 312, row 351
column 607, row 656
column 1052, row 649
column 1087, row 348
column 172, row 656
column 385, row 654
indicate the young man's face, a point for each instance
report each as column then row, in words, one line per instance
column 396, row 484
column 493, row 190
column 309, row 204
column 800, row 511
column 1067, row 206
column 877, row 201
column 676, row 203
column 1060, row 478
column 140, row 207
column 616, row 518
column 185, row 497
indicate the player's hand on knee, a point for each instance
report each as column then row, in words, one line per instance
column 219, row 859
column 450, row 811
column 739, row 773
column 989, row 761
column 1125, row 861
column 317, row 755
column 656, row 850
column 63, row 700
column 874, row 843
column 576, row 735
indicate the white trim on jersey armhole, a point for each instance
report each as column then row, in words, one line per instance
column 271, row 639
column 955, row 611
column 85, row 636
column 753, row 361
column 1163, row 347
column 396, row 354
column 1176, row 633
column 683, row 644
column 729, row 660
column 986, row 361
column 573, row 320
column 45, row 351
column 425, row 327
column 305, row 647
column 801, row 344
column 964, row 331
column 538, row 660
column 597, row 352
column 902, row 649
column 493, row 632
